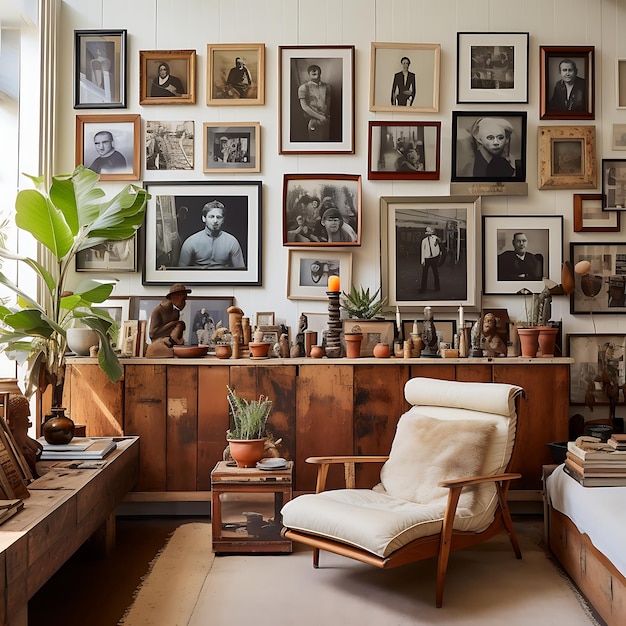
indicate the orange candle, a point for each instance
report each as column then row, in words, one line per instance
column 333, row 283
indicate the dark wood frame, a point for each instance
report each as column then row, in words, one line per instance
column 149, row 59
column 610, row 184
column 466, row 68
column 550, row 58
column 431, row 148
column 287, row 99
column 115, row 124
column 82, row 38
column 606, row 222
column 315, row 186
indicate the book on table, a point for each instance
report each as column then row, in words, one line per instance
column 594, row 481
column 604, row 454
column 617, row 441
column 584, row 470
column 84, row 448
column 8, row 508
column 611, row 464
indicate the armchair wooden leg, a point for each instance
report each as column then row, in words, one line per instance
column 316, row 558
column 445, row 543
column 508, row 522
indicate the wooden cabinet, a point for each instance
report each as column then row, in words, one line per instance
column 179, row 410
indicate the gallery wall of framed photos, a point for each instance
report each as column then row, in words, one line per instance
column 228, row 109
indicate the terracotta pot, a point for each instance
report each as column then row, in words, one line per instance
column 223, row 350
column 317, row 352
column 246, row 452
column 353, row 345
column 382, row 350
column 58, row 428
column 547, row 340
column 259, row 350
column 529, row 341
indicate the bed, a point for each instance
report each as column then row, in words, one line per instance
column 586, row 532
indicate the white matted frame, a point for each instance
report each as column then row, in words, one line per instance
column 393, row 92
column 614, row 184
column 264, row 318
column 109, row 256
column 308, row 272
column 232, row 147
column 118, row 308
column 618, row 135
column 492, row 67
column 404, row 220
column 544, row 235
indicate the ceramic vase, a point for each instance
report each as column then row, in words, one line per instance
column 79, row 340
column 353, row 345
column 547, row 340
column 58, row 427
column 529, row 341
column 223, row 350
column 246, row 452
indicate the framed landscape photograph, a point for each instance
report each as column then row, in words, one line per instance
column 603, row 290
column 492, row 67
column 567, row 82
column 519, row 251
column 590, row 218
column 321, row 210
column 404, row 150
column 100, row 69
column 374, row 331
column 441, row 232
column 235, row 74
column 598, row 355
column 232, row 147
column 167, row 77
column 396, row 69
column 308, row 272
column 567, row 157
column 316, row 99
column 169, row 145
column 614, row 184
column 109, row 256
column 179, row 215
column 109, row 145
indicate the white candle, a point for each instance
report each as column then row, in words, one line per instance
column 461, row 319
column 398, row 319
column 415, row 330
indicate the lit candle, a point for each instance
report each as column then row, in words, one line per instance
column 461, row 319
column 334, row 283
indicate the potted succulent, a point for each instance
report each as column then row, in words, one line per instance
column 72, row 215
column 362, row 305
column 247, row 433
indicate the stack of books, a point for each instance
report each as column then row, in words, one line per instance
column 617, row 441
column 78, row 448
column 603, row 467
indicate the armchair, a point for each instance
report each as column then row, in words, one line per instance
column 443, row 486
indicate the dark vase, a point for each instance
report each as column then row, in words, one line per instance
column 58, row 428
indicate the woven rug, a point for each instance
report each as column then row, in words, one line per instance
column 486, row 585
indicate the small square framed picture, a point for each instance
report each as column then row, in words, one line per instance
column 167, row 77
column 308, row 272
column 620, row 83
column 232, row 147
column 618, row 134
column 235, row 74
column 614, row 184
column 264, row 318
column 590, row 218
column 169, row 145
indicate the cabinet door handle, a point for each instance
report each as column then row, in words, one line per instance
column 147, row 400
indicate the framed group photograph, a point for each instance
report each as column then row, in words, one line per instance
column 316, row 99
column 321, row 210
column 614, row 184
column 167, row 77
column 603, row 290
column 396, row 71
column 169, row 145
column 404, row 150
column 488, row 147
column 519, row 251
column 374, row 331
column 109, row 256
column 100, row 69
column 109, row 145
column 308, row 272
column 590, row 218
column 428, row 250
column 596, row 356
column 492, row 67
column 567, row 157
column 235, row 74
column 203, row 233
column 567, row 82
column 232, row 147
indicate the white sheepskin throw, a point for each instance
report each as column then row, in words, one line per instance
column 427, row 450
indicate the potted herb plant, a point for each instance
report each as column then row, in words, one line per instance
column 247, row 433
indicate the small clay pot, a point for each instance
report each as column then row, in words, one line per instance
column 223, row 350
column 382, row 351
column 259, row 350
column 317, row 352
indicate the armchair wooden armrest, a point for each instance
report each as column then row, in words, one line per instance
column 324, row 462
column 477, row 480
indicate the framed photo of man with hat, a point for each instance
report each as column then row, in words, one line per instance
column 321, row 210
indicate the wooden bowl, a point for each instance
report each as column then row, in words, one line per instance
column 190, row 352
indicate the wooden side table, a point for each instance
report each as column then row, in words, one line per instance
column 245, row 508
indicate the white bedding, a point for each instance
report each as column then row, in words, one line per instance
column 599, row 512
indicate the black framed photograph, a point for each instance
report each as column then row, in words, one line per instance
column 232, row 147
column 109, row 256
column 567, row 77
column 590, row 218
column 308, row 272
column 202, row 315
column 598, row 366
column 316, row 99
column 169, row 145
column 492, row 67
column 428, row 250
column 488, row 147
column 109, row 145
column 321, row 210
column 404, row 150
column 235, row 74
column 614, row 184
column 100, row 69
column 603, row 289
column 396, row 71
column 203, row 233
column 167, row 77
column 519, row 251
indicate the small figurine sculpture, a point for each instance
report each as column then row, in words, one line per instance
column 283, row 344
column 235, row 314
column 429, row 335
column 19, row 423
column 476, row 350
column 166, row 328
column 490, row 342
column 303, row 324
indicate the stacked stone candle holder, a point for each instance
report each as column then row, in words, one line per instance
column 333, row 337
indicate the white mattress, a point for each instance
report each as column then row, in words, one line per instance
column 599, row 512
